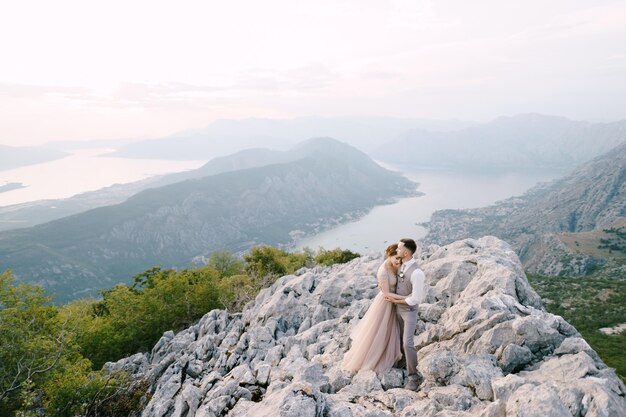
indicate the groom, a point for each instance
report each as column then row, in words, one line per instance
column 411, row 287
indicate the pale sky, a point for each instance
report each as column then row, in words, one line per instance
column 85, row 69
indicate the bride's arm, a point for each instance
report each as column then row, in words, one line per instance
column 383, row 283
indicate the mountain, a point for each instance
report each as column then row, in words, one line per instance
column 591, row 198
column 523, row 142
column 486, row 347
column 173, row 225
column 71, row 145
column 15, row 157
column 42, row 211
column 224, row 137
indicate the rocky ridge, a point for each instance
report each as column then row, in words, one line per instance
column 486, row 348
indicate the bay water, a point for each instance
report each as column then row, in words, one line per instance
column 443, row 189
column 83, row 170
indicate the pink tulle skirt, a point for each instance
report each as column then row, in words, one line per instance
column 375, row 339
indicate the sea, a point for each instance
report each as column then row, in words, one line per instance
column 83, row 170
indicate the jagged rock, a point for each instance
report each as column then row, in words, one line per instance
column 487, row 348
column 514, row 358
column 439, row 366
column 536, row 401
column 431, row 312
column 504, row 387
column 453, row 397
column 574, row 345
column 476, row 374
column 194, row 369
column 242, row 374
column 393, row 378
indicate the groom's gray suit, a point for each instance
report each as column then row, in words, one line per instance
column 410, row 284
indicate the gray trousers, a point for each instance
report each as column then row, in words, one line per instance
column 407, row 317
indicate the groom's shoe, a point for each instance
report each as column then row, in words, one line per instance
column 413, row 383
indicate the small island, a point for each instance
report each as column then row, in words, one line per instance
column 11, row 186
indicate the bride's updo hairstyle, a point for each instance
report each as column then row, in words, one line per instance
column 392, row 250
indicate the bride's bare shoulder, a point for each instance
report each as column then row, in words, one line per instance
column 384, row 267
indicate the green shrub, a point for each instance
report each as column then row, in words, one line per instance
column 334, row 256
column 78, row 391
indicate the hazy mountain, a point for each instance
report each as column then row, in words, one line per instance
column 70, row 145
column 15, row 157
column 528, row 141
column 592, row 197
column 173, row 224
column 224, row 137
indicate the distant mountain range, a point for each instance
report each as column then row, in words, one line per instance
column 524, row 142
column 224, row 137
column 592, row 198
column 317, row 183
column 15, row 157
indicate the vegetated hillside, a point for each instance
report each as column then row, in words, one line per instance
column 595, row 305
column 172, row 225
column 593, row 197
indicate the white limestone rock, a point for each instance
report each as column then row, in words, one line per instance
column 486, row 348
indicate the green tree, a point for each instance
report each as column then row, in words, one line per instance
column 130, row 320
column 79, row 391
column 149, row 277
column 235, row 291
column 225, row 263
column 32, row 339
column 266, row 260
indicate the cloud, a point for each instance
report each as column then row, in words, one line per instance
column 305, row 79
column 607, row 19
column 39, row 91
column 145, row 93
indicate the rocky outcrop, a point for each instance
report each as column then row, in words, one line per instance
column 486, row 348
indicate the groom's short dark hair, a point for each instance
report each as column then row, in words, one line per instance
column 409, row 244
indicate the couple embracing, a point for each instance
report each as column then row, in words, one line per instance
column 387, row 330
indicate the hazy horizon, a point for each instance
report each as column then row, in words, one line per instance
column 78, row 71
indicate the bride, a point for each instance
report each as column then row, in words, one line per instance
column 376, row 339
